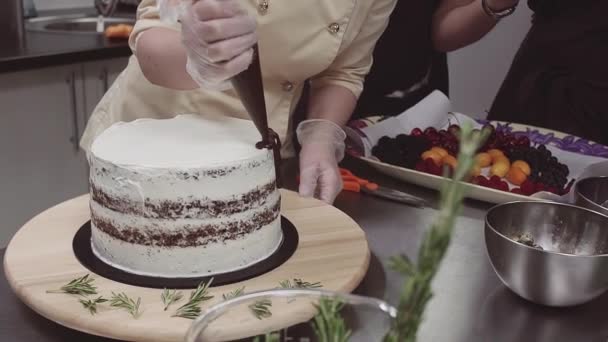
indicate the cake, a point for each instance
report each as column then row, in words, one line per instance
column 183, row 197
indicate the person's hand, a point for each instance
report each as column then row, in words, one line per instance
column 219, row 37
column 322, row 144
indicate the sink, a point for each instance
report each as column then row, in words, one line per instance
column 77, row 24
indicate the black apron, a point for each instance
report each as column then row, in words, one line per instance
column 559, row 77
column 404, row 58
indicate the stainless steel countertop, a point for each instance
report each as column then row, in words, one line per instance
column 470, row 302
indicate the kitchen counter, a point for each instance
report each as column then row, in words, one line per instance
column 470, row 303
column 45, row 49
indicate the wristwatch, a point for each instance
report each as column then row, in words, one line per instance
column 497, row 14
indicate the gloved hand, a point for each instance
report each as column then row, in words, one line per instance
column 219, row 37
column 322, row 144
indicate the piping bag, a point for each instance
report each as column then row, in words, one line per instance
column 250, row 89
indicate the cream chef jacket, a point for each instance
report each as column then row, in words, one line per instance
column 326, row 41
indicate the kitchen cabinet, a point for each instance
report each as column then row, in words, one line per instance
column 43, row 113
column 40, row 164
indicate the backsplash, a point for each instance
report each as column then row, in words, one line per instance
column 42, row 5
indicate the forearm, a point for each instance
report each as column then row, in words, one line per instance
column 333, row 103
column 162, row 59
column 458, row 23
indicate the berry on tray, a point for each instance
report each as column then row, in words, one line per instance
column 509, row 160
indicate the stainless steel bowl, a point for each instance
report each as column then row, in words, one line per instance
column 592, row 193
column 570, row 264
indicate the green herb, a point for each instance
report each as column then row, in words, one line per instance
column 261, row 308
column 402, row 264
column 192, row 309
column 417, row 291
column 236, row 293
column 91, row 304
column 328, row 324
column 123, row 301
column 170, row 296
column 80, row 286
column 299, row 284
column 269, row 337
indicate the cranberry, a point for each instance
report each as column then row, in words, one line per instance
column 433, row 135
column 433, row 168
column 490, row 128
column 527, row 187
column 429, row 131
column 454, row 130
column 517, row 191
column 504, row 186
column 480, row 180
column 539, row 187
column 523, row 141
column 553, row 190
column 416, row 132
column 420, row 166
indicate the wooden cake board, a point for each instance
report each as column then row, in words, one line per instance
column 332, row 250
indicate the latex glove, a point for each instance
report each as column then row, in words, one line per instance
column 219, row 37
column 322, row 144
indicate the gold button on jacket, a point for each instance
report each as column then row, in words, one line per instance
column 295, row 44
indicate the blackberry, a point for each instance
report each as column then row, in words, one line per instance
column 403, row 150
column 546, row 169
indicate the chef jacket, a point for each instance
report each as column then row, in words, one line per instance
column 329, row 42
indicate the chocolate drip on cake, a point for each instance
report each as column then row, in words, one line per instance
column 189, row 236
column 185, row 208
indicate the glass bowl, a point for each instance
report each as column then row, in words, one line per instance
column 289, row 317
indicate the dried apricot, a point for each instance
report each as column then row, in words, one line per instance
column 516, row 176
column 499, row 169
column 495, row 154
column 483, row 159
column 432, row 155
column 522, row 165
column 442, row 151
column 503, row 160
column 449, row 160
column 475, row 171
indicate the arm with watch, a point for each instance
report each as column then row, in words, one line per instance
column 458, row 23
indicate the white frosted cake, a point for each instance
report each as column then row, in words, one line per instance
column 183, row 197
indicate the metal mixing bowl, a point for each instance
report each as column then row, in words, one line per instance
column 592, row 193
column 572, row 266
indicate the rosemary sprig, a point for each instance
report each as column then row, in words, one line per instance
column 121, row 300
column 299, row 284
column 261, row 308
column 91, row 304
column 236, row 293
column 328, row 324
column 402, row 264
column 417, row 291
column 80, row 286
column 170, row 296
column 192, row 308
